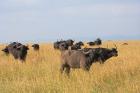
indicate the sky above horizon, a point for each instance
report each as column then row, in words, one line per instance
column 49, row 20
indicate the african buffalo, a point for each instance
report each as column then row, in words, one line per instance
column 75, row 59
column 98, row 41
column 69, row 42
column 5, row 50
column 18, row 50
column 91, row 43
column 63, row 46
column 36, row 47
column 77, row 46
column 101, row 54
column 10, row 47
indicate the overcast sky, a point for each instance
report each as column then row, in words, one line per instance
column 47, row 20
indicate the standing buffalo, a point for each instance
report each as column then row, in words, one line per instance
column 67, row 43
column 35, row 47
column 10, row 47
column 102, row 54
column 75, row 59
column 18, row 50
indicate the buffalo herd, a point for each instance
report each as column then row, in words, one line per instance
column 73, row 55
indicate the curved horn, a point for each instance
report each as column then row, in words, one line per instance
column 115, row 46
column 18, row 47
column 86, row 52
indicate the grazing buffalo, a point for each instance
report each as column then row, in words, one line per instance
column 35, row 47
column 75, row 59
column 125, row 44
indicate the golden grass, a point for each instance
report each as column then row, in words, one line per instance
column 40, row 73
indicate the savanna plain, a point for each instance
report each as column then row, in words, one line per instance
column 40, row 73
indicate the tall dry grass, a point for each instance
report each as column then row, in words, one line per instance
column 40, row 73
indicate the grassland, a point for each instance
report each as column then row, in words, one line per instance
column 40, row 73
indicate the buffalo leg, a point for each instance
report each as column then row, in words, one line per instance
column 67, row 70
column 62, row 68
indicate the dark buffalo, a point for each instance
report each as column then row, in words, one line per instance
column 101, row 54
column 75, row 59
column 36, row 47
column 91, row 43
column 80, row 43
column 19, row 52
column 63, row 46
column 57, row 44
column 77, row 46
column 11, row 46
column 69, row 42
column 86, row 49
column 98, row 41
column 5, row 50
